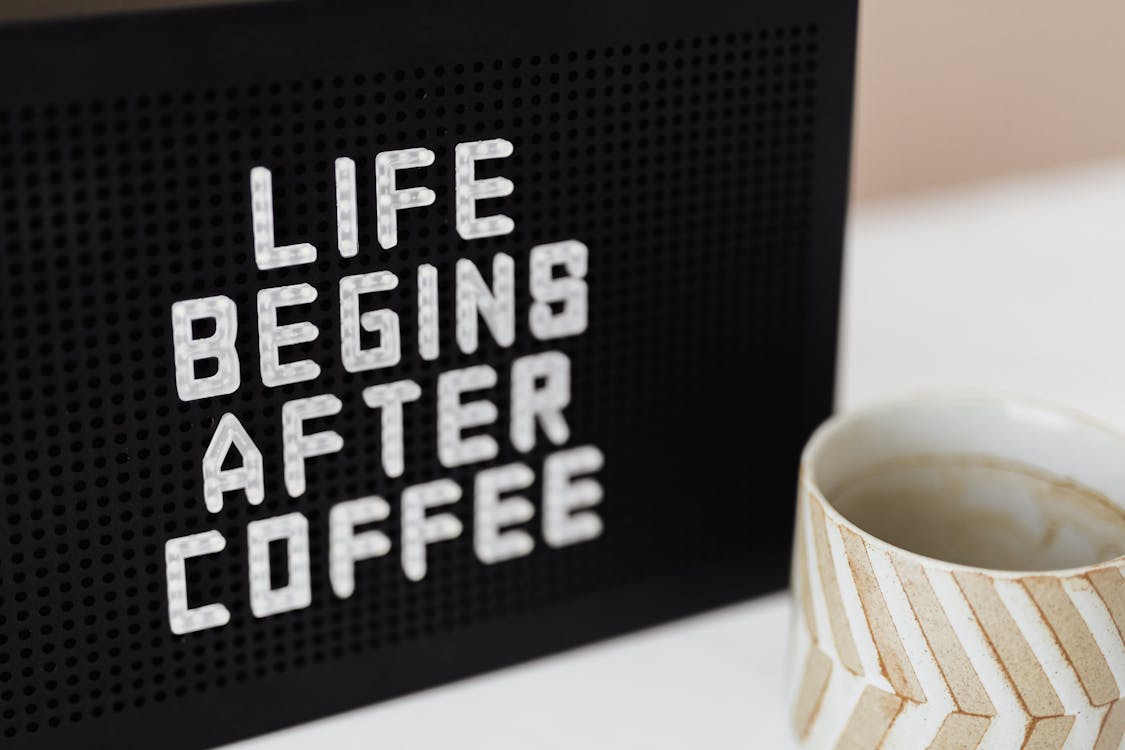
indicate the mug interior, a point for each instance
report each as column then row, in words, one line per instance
column 987, row 482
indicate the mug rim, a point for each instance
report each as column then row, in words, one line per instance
column 840, row 420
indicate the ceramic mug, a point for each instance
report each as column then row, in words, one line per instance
column 957, row 579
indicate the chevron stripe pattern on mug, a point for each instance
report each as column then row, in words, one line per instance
column 893, row 652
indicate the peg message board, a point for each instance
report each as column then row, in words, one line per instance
column 351, row 348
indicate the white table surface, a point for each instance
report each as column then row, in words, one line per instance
column 1016, row 286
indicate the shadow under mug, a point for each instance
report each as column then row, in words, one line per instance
column 957, row 578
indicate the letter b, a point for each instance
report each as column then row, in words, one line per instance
column 218, row 346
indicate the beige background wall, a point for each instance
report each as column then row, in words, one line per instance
column 954, row 90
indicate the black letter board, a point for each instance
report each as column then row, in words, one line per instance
column 350, row 348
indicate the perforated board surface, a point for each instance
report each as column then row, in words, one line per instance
column 678, row 174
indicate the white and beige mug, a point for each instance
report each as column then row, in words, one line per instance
column 957, row 580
